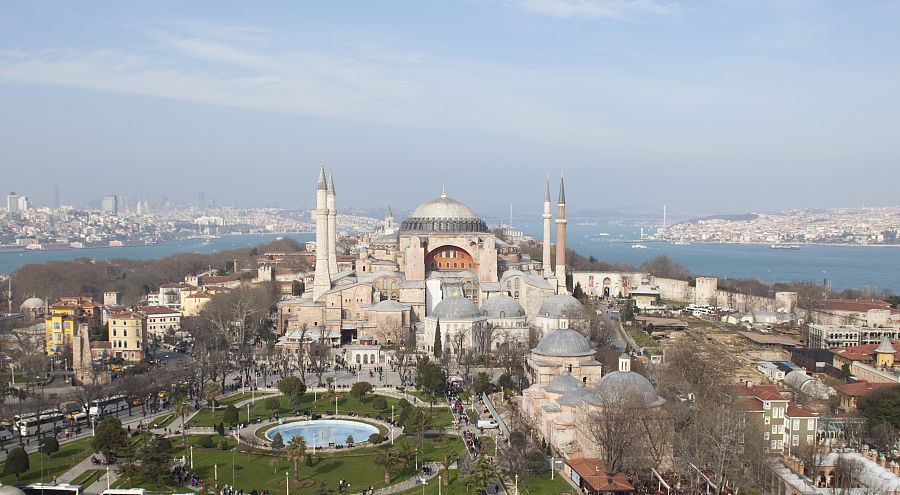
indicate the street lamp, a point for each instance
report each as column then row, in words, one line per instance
column 287, row 483
column 192, row 457
column 517, row 483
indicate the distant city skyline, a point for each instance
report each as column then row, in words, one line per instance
column 707, row 107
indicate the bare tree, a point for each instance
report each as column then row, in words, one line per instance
column 483, row 337
column 319, row 354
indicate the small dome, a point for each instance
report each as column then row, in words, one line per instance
column 622, row 386
column 563, row 383
column 561, row 306
column 10, row 490
column 32, row 303
column 564, row 342
column 502, row 306
column 573, row 397
column 455, row 308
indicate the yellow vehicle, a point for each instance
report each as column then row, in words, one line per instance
column 115, row 368
column 163, row 394
column 137, row 401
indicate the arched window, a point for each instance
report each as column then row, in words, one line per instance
column 372, row 359
column 358, row 359
column 365, row 359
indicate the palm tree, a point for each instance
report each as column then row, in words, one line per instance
column 389, row 460
column 295, row 452
column 212, row 391
column 181, row 409
column 479, row 476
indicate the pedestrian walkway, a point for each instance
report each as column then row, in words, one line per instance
column 412, row 482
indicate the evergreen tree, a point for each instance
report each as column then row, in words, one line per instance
column 437, row 339
column 16, row 462
column 231, row 415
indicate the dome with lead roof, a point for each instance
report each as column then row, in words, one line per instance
column 563, row 383
column 443, row 214
column 502, row 306
column 10, row 490
column 561, row 306
column 564, row 342
column 455, row 308
column 624, row 387
column 32, row 303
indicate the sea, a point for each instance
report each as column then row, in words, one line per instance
column 840, row 267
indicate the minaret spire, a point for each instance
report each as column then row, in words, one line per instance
column 332, row 227
column 546, row 262
column 322, row 279
column 561, row 238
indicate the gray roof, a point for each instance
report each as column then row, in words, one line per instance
column 10, row 490
column 560, row 306
column 564, row 342
column 885, row 347
column 443, row 214
column 574, row 397
column 529, row 278
column 563, row 383
column 389, row 305
column 443, row 207
column 455, row 308
column 320, row 185
column 620, row 387
column 32, row 303
column 501, row 306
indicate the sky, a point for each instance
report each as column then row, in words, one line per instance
column 706, row 106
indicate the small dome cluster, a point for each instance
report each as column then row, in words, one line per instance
column 622, row 387
column 564, row 342
column 502, row 306
column 561, row 306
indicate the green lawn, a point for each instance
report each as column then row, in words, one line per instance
column 542, row 484
column 346, row 404
column 235, row 398
column 88, row 477
column 257, row 470
column 68, row 455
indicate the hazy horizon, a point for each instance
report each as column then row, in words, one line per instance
column 708, row 107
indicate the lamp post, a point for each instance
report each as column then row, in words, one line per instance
column 517, row 483
column 424, row 483
column 287, row 483
column 107, row 478
column 248, row 413
column 232, row 466
column 552, row 467
column 192, row 457
column 216, row 474
column 335, row 403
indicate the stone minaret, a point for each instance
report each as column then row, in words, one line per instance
column 322, row 280
column 561, row 239
column 332, row 227
column 547, row 263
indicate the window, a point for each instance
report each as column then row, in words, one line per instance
column 766, row 436
column 796, row 424
column 795, row 440
column 774, row 444
column 766, row 405
column 810, row 424
column 774, row 429
column 809, row 439
column 766, row 420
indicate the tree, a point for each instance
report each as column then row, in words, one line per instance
column 437, row 340
column 272, row 403
column 295, row 452
column 479, row 476
column 109, row 437
column 231, row 415
column 388, row 459
column 211, row 392
column 287, row 385
column 277, row 443
column 482, row 383
column 49, row 446
column 429, row 378
column 350, row 440
column 16, row 462
column 181, row 409
column 360, row 389
column 379, row 403
column 155, row 459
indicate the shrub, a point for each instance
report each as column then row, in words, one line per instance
column 272, row 403
column 223, row 444
column 49, row 445
column 376, row 438
column 379, row 403
column 404, row 404
column 206, row 442
column 360, row 389
column 16, row 462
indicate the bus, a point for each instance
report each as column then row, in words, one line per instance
column 47, row 422
column 125, row 491
column 51, row 489
column 6, row 434
column 111, row 405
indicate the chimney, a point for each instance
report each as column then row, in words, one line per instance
column 883, row 461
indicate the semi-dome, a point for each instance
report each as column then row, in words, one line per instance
column 502, row 306
column 455, row 308
column 574, row 397
column 443, row 214
column 561, row 306
column 624, row 387
column 33, row 303
column 564, row 342
column 563, row 383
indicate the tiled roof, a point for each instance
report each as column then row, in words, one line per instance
column 795, row 410
column 859, row 389
column 863, row 352
column 855, row 305
column 593, row 472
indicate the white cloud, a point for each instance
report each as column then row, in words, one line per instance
column 599, row 9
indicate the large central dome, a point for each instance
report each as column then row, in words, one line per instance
column 443, row 214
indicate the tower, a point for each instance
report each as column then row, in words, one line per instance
column 322, row 278
column 547, row 263
column 561, row 239
column 332, row 227
column 389, row 221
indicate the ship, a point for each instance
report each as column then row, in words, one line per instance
column 785, row 246
column 638, row 246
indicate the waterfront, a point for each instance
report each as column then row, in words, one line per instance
column 11, row 261
column 843, row 266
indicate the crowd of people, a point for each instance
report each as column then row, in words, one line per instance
column 184, row 477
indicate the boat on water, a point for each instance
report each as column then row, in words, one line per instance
column 785, row 246
column 639, row 246
column 680, row 243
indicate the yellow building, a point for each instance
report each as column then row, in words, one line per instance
column 192, row 304
column 127, row 335
column 63, row 319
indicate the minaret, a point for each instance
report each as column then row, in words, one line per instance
column 332, row 227
column 561, row 239
column 322, row 280
column 547, row 263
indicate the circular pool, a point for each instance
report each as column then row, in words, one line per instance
column 322, row 432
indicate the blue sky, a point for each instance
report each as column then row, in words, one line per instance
column 707, row 106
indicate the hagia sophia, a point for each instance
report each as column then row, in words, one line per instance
column 443, row 268
column 440, row 266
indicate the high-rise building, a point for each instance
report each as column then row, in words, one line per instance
column 24, row 203
column 12, row 202
column 110, row 204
